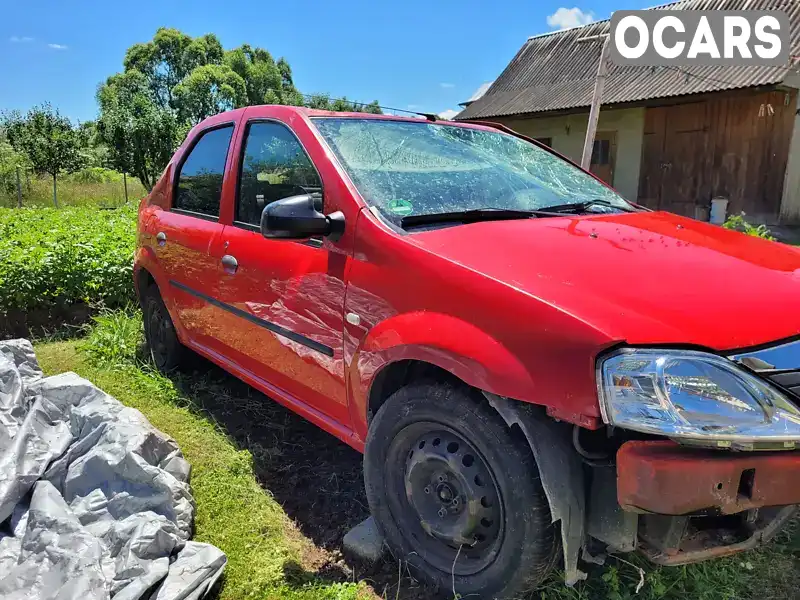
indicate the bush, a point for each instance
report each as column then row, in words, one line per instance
column 54, row 258
column 94, row 175
column 737, row 223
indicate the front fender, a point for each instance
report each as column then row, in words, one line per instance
column 447, row 342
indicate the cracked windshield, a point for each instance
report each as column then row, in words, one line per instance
column 406, row 169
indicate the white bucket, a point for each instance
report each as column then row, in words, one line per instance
column 719, row 210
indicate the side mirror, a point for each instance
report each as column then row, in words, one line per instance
column 296, row 218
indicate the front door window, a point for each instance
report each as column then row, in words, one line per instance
column 274, row 166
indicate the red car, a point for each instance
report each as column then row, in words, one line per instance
column 533, row 366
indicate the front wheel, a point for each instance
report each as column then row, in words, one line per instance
column 457, row 494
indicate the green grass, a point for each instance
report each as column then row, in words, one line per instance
column 89, row 187
column 270, row 558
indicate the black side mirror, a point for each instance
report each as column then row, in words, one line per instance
column 296, row 218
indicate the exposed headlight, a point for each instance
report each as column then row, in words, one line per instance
column 693, row 396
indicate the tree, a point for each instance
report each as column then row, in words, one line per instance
column 164, row 61
column 11, row 162
column 140, row 134
column 49, row 141
column 93, row 149
column 175, row 81
column 208, row 90
column 267, row 82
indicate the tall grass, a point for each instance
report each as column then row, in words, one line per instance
column 88, row 187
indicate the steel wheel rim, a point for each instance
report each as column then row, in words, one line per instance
column 444, row 498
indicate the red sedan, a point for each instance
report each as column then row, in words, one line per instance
column 532, row 365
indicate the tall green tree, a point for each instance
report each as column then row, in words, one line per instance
column 141, row 135
column 175, row 81
column 208, row 90
column 266, row 81
column 49, row 140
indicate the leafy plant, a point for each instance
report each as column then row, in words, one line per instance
column 54, row 257
column 115, row 337
column 738, row 223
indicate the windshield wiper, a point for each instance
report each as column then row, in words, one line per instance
column 579, row 207
column 468, row 216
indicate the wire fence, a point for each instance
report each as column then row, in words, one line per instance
column 90, row 187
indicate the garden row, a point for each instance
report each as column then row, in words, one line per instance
column 58, row 265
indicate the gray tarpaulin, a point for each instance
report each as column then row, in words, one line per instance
column 94, row 501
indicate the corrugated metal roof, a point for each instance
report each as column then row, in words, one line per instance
column 553, row 71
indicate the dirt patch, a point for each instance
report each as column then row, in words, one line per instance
column 42, row 322
column 316, row 478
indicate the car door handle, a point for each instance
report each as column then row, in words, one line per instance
column 230, row 264
column 161, row 238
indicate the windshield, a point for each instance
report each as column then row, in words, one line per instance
column 405, row 168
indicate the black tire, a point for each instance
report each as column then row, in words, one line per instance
column 446, row 441
column 165, row 349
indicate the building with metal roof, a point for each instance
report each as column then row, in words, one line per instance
column 669, row 137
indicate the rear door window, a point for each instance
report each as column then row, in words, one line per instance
column 200, row 178
column 274, row 166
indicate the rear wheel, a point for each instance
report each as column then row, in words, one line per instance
column 165, row 349
column 457, row 494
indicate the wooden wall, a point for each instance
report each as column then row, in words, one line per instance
column 726, row 145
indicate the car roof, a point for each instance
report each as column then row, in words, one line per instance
column 313, row 112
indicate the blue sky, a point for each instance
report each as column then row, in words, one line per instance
column 418, row 55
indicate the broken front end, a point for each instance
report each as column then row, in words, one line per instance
column 699, row 458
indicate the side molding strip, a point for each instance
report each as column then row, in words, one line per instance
column 282, row 331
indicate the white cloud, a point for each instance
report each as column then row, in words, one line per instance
column 20, row 39
column 57, row 46
column 564, row 18
column 448, row 114
column 447, row 85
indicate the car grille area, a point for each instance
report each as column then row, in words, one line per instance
column 779, row 364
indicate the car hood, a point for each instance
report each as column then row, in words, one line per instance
column 641, row 278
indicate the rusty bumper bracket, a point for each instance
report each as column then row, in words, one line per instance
column 662, row 477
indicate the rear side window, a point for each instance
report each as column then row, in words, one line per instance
column 274, row 166
column 200, row 178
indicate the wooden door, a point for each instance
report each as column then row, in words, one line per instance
column 735, row 146
column 673, row 158
column 683, row 158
